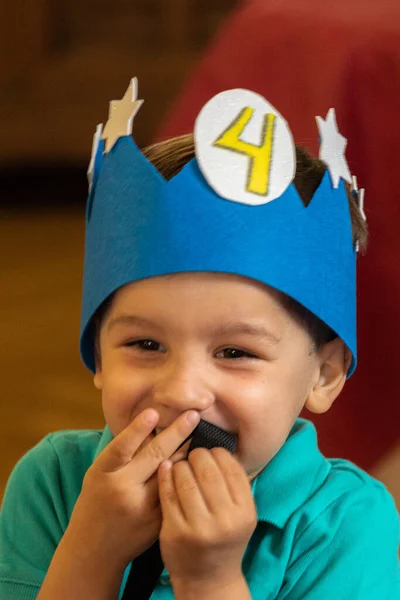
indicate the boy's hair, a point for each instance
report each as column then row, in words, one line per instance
column 170, row 156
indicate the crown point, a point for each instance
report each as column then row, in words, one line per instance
column 121, row 115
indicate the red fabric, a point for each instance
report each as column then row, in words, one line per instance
column 306, row 57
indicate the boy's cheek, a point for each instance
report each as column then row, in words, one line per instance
column 264, row 429
column 122, row 401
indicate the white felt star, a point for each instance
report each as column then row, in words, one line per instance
column 120, row 118
column 96, row 140
column 332, row 148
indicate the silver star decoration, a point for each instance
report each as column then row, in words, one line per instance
column 96, row 140
column 120, row 118
column 332, row 148
column 360, row 196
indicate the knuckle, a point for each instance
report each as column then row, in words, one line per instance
column 211, row 538
column 227, row 525
column 123, row 508
column 155, row 451
column 187, row 484
column 203, row 541
column 170, row 497
column 210, row 475
column 199, row 537
column 117, row 453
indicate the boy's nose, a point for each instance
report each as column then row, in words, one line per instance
column 183, row 388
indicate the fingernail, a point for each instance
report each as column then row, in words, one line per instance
column 193, row 417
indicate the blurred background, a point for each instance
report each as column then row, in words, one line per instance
column 62, row 61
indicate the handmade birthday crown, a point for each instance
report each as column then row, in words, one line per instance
column 232, row 209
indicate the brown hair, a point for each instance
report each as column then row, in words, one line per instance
column 170, row 156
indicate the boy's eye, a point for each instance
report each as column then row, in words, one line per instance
column 234, row 353
column 146, row 345
column 149, row 345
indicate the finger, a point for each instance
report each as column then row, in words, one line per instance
column 163, row 446
column 192, row 502
column 210, row 479
column 234, row 475
column 125, row 445
column 169, row 501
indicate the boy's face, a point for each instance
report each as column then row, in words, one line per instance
column 221, row 344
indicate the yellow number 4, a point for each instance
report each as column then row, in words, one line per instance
column 259, row 156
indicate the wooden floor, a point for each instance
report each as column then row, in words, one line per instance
column 44, row 386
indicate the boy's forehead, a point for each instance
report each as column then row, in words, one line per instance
column 218, row 302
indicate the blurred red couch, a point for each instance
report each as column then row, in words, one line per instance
column 305, row 57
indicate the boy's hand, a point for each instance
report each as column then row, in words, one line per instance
column 117, row 515
column 209, row 516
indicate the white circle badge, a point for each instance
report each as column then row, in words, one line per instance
column 244, row 147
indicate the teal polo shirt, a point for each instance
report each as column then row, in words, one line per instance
column 325, row 528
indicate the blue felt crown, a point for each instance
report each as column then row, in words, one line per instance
column 140, row 226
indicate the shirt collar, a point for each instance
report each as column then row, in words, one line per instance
column 291, row 477
column 105, row 439
column 285, row 483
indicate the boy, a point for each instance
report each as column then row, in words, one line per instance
column 218, row 292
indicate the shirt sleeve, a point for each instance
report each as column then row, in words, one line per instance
column 32, row 522
column 349, row 551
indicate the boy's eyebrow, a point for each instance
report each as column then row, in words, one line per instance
column 245, row 328
column 129, row 320
column 233, row 327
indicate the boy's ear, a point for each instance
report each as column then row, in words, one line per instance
column 98, row 375
column 334, row 363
